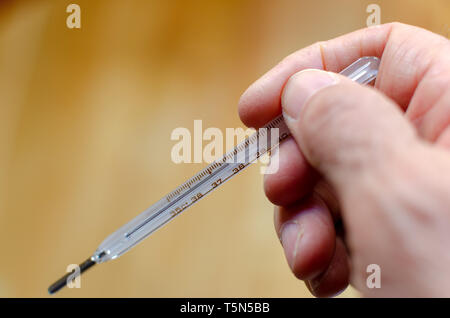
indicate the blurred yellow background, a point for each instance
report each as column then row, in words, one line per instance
column 85, row 123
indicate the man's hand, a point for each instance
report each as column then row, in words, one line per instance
column 373, row 159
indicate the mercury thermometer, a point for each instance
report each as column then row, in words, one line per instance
column 208, row 180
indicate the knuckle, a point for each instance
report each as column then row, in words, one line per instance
column 298, row 57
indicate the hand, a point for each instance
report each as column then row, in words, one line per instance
column 374, row 162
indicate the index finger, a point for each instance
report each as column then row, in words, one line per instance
column 406, row 54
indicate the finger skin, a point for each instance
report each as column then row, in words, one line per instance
column 382, row 194
column 306, row 231
column 392, row 186
column 335, row 278
column 328, row 195
column 261, row 101
column 435, row 121
column 444, row 138
column 341, row 138
column 414, row 71
column 294, row 178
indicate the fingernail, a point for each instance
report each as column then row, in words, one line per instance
column 313, row 284
column 300, row 87
column 291, row 234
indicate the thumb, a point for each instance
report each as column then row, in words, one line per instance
column 343, row 128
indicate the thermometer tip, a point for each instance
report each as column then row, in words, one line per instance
column 60, row 283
